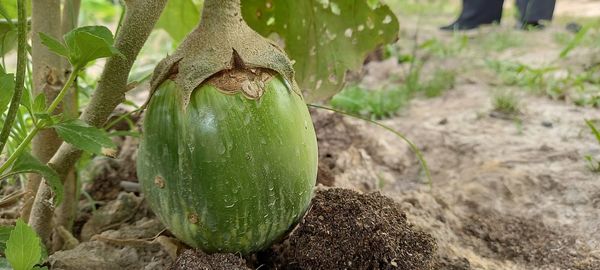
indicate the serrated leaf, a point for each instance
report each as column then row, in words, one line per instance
column 4, row 234
column 23, row 249
column 54, row 45
column 7, row 88
column 325, row 37
column 84, row 136
column 187, row 14
column 89, row 43
column 26, row 163
column 83, row 45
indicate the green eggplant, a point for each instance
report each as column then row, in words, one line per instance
column 225, row 172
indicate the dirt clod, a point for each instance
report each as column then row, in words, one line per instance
column 348, row 230
column 198, row 260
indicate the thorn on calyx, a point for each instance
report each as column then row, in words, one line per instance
column 236, row 61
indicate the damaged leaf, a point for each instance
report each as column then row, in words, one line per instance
column 325, row 38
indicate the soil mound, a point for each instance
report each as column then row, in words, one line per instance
column 348, row 230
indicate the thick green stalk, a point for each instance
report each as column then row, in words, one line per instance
column 20, row 80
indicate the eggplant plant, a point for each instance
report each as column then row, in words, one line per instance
column 228, row 155
column 228, row 152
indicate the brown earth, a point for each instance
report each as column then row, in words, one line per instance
column 505, row 194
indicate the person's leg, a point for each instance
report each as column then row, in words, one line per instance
column 477, row 12
column 532, row 12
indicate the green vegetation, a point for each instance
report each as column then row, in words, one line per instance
column 593, row 163
column 383, row 103
column 74, row 106
column 506, row 102
column 22, row 247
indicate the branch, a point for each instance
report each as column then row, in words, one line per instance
column 140, row 18
column 20, row 80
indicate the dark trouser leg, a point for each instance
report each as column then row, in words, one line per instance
column 534, row 11
column 476, row 13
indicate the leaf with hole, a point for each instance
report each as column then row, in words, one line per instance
column 85, row 137
column 325, row 38
column 23, row 249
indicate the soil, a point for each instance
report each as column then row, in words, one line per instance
column 348, row 230
column 198, row 260
column 506, row 193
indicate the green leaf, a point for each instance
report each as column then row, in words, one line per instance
column 26, row 99
column 89, row 43
column 85, row 137
column 594, row 129
column 39, row 103
column 54, row 45
column 7, row 88
column 8, row 37
column 187, row 14
column 4, row 234
column 23, row 249
column 325, row 37
column 26, row 163
column 83, row 45
column 10, row 7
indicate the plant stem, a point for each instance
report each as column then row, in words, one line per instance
column 140, row 18
column 22, row 146
column 37, row 127
column 20, row 80
column 63, row 91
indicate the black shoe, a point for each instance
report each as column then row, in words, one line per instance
column 573, row 27
column 458, row 27
column 530, row 26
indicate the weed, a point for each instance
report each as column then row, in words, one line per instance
column 506, row 102
column 501, row 39
column 593, row 163
column 382, row 103
column 374, row 103
column 442, row 80
column 454, row 46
